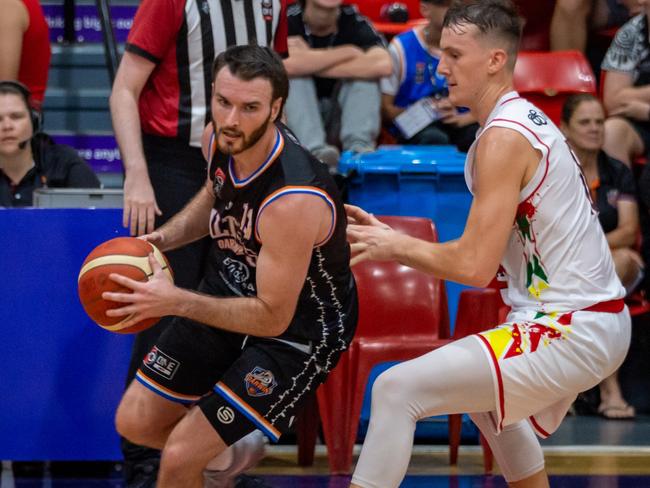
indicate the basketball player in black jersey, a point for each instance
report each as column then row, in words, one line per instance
column 278, row 302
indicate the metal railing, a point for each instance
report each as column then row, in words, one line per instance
column 108, row 36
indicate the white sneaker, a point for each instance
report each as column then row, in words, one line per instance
column 247, row 452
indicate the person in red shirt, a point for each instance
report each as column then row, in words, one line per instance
column 25, row 46
column 160, row 106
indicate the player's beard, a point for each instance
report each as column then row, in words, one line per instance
column 244, row 142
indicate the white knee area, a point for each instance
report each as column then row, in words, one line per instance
column 452, row 379
column 390, row 397
column 516, row 448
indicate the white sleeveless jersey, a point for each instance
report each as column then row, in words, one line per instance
column 557, row 258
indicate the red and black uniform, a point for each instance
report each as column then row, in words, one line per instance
column 260, row 382
column 183, row 37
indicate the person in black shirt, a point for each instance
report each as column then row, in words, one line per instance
column 612, row 190
column 30, row 159
column 335, row 61
column 278, row 302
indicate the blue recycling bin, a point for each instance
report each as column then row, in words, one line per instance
column 421, row 181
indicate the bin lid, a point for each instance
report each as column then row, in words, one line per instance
column 405, row 159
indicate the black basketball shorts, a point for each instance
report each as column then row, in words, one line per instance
column 240, row 383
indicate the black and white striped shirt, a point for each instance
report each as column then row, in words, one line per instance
column 182, row 37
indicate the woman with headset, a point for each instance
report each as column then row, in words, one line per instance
column 29, row 159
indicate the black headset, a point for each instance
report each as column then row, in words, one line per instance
column 35, row 115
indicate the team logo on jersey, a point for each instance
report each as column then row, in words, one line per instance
column 419, row 72
column 267, row 10
column 237, row 270
column 537, row 118
column 205, row 6
column 232, row 230
column 260, row 382
column 219, row 179
column 225, row 415
column 161, row 363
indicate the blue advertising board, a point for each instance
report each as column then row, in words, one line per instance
column 62, row 375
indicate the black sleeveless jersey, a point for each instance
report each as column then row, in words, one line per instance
column 327, row 306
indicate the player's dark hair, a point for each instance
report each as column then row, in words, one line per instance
column 572, row 102
column 498, row 18
column 12, row 87
column 249, row 62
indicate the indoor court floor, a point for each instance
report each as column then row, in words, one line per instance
column 586, row 452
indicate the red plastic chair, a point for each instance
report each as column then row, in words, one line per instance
column 548, row 78
column 403, row 314
column 397, row 306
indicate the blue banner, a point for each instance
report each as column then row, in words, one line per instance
column 100, row 151
column 87, row 26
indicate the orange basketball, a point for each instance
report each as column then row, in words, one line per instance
column 123, row 255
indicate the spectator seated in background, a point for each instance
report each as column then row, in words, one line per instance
column 574, row 20
column 29, row 159
column 611, row 184
column 414, row 96
column 25, row 46
column 626, row 90
column 335, row 61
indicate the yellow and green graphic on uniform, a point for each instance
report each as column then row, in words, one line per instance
column 536, row 277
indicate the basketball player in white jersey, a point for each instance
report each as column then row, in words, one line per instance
column 531, row 223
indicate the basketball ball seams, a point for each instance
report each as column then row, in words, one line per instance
column 126, row 256
column 162, row 260
column 141, row 263
column 119, row 326
column 138, row 262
